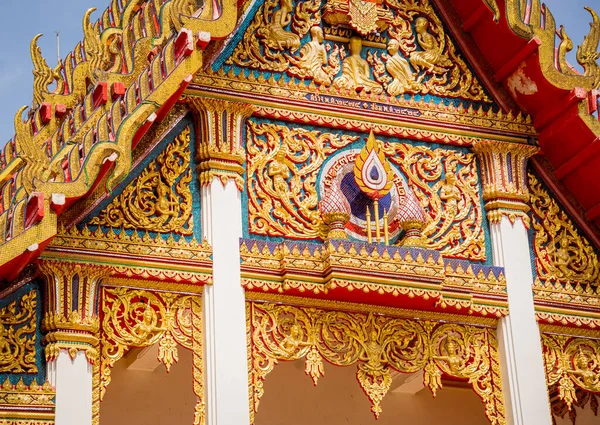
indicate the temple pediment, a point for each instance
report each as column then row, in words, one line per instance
column 390, row 51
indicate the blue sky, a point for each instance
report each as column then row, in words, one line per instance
column 21, row 20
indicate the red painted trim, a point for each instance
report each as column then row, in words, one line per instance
column 510, row 66
column 575, row 162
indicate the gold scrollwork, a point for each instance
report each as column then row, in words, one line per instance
column 447, row 185
column 159, row 200
column 562, row 254
column 140, row 318
column 273, row 37
column 571, row 363
column 377, row 344
column 17, row 335
column 267, row 36
column 282, row 165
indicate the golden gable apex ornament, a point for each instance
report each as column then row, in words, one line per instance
column 364, row 16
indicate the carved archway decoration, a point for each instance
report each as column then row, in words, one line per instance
column 140, row 318
column 377, row 344
column 571, row 364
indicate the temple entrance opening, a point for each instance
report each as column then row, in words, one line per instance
column 141, row 392
column 290, row 398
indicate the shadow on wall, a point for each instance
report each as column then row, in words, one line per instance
column 141, row 392
column 291, row 399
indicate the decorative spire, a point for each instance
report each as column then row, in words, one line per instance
column 412, row 219
column 335, row 211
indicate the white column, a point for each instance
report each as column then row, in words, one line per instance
column 72, row 380
column 520, row 348
column 226, row 358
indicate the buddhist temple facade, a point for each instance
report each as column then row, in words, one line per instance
column 305, row 211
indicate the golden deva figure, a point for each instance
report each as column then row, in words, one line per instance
column 277, row 37
column 356, row 71
column 431, row 59
column 279, row 172
column 313, row 56
column 398, row 68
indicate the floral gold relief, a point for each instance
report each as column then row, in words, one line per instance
column 18, row 335
column 571, row 364
column 562, row 254
column 159, row 200
column 447, row 185
column 421, row 58
column 140, row 318
column 377, row 344
column 283, row 164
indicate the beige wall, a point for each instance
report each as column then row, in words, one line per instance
column 291, row 399
column 584, row 417
column 150, row 398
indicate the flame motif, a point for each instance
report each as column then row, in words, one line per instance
column 372, row 171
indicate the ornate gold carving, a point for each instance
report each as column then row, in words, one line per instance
column 289, row 208
column 160, row 199
column 587, row 52
column 504, row 180
column 151, row 258
column 17, row 335
column 26, row 404
column 313, row 61
column 71, row 321
column 284, row 203
column 439, row 68
column 138, row 318
column 349, row 116
column 567, row 265
column 377, row 344
column 402, row 78
column 118, row 51
column 339, row 268
column 571, row 363
column 220, row 153
column 364, row 16
column 266, row 37
column 446, row 183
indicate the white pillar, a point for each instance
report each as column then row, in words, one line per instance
column 519, row 344
column 226, row 358
column 506, row 196
column 72, row 379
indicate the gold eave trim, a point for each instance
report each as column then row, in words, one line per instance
column 259, row 296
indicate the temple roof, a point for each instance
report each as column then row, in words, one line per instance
column 138, row 58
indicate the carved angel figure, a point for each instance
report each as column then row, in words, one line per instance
column 452, row 357
column 277, row 37
column 584, row 369
column 356, row 71
column 279, row 171
column 431, row 59
column 398, row 68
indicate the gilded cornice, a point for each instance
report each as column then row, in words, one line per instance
column 131, row 256
column 26, row 404
column 395, row 116
column 386, row 275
